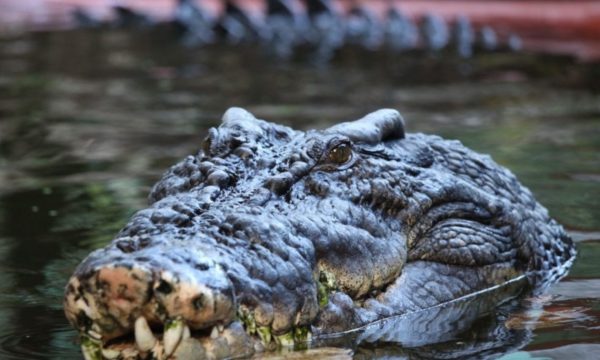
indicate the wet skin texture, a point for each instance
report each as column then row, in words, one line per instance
column 288, row 232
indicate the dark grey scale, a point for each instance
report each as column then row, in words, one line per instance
column 315, row 7
column 196, row 23
column 245, row 153
column 179, row 178
column 206, row 167
column 266, row 270
column 259, row 197
column 488, row 39
column 283, row 7
column 363, row 28
column 280, row 183
column 188, row 208
column 233, row 29
column 126, row 245
column 219, row 142
column 143, row 241
column 194, row 179
column 434, row 32
column 84, row 19
column 287, row 28
column 140, row 224
column 463, row 36
column 219, row 178
column 327, row 30
column 514, row 42
column 282, row 41
column 189, row 166
column 253, row 289
column 128, row 18
column 339, row 314
column 299, row 169
column 237, row 26
column 166, row 217
column 400, row 32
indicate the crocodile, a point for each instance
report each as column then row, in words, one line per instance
column 271, row 237
column 318, row 27
column 324, row 26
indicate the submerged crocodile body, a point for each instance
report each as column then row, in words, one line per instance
column 320, row 27
column 324, row 27
column 271, row 237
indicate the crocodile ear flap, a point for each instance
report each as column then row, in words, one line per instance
column 378, row 126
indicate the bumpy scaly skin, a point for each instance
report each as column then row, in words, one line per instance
column 321, row 231
column 319, row 26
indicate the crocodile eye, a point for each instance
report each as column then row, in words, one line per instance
column 340, row 154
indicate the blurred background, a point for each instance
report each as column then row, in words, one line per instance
column 99, row 97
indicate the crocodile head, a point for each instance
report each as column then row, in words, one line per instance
column 269, row 235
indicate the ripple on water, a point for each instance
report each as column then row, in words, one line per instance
column 39, row 341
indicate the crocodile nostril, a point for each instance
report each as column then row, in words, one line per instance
column 164, row 287
column 83, row 321
column 198, row 302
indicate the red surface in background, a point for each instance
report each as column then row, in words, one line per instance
column 558, row 26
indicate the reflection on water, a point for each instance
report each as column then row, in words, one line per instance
column 474, row 326
column 89, row 120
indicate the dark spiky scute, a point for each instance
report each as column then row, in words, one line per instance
column 317, row 28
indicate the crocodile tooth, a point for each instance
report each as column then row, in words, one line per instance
column 144, row 338
column 186, row 333
column 110, row 354
column 220, row 327
column 94, row 335
column 214, row 333
column 173, row 333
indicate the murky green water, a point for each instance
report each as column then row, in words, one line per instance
column 89, row 120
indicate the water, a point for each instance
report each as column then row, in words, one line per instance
column 90, row 119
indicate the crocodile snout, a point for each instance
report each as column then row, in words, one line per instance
column 106, row 298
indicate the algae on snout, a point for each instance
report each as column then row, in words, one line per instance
column 325, row 286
